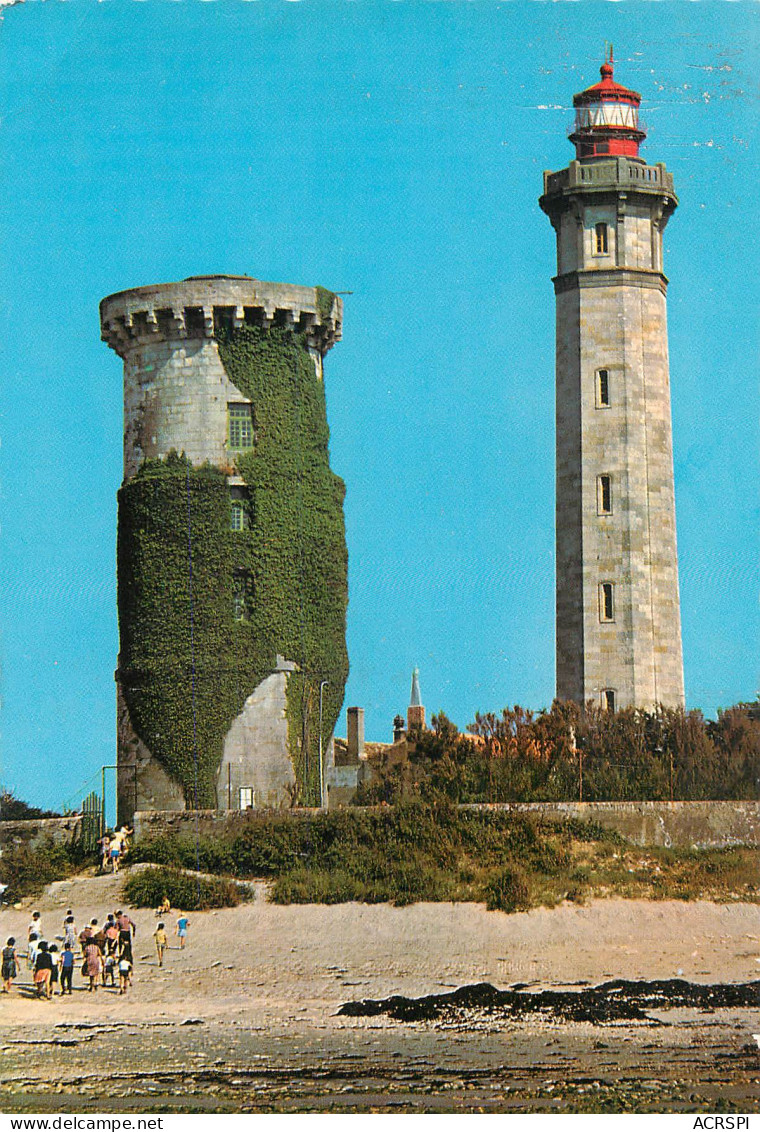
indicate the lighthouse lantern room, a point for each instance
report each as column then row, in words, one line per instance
column 607, row 118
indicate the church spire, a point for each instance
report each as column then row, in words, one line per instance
column 415, row 714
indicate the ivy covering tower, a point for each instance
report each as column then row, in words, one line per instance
column 232, row 563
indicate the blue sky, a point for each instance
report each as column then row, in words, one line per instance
column 394, row 150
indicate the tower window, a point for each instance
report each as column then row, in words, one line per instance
column 240, row 426
column 601, row 241
column 195, row 321
column 241, row 511
column 602, row 389
column 247, row 797
column 604, row 495
column 224, row 320
column 242, row 595
column 608, row 699
column 606, row 601
column 239, row 520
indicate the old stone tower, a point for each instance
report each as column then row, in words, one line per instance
column 618, row 616
column 232, row 560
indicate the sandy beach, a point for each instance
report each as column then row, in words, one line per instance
column 246, row 1017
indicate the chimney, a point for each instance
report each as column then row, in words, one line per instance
column 355, row 732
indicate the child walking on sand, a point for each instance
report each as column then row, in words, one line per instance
column 31, row 954
column 55, row 960
column 159, row 936
column 109, row 970
column 125, row 970
column 67, row 966
column 181, row 929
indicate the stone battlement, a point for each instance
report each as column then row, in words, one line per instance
column 203, row 305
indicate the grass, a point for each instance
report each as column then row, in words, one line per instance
column 192, row 893
column 412, row 851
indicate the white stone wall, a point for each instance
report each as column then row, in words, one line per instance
column 176, row 395
column 256, row 748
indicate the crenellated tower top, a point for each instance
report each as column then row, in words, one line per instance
column 199, row 307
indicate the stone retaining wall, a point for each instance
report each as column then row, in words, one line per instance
column 40, row 831
column 149, row 825
column 702, row 825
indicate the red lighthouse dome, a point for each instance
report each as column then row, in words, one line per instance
column 607, row 118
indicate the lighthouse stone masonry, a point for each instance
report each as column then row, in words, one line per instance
column 618, row 615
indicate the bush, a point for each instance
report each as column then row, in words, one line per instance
column 507, row 891
column 188, row 891
column 14, row 809
column 27, row 870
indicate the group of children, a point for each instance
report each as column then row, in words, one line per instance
column 105, row 952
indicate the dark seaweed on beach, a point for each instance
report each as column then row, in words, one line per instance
column 616, row 1001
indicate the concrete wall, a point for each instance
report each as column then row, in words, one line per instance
column 700, row 825
column 36, row 832
column 681, row 825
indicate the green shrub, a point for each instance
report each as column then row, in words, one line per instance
column 507, row 891
column 416, row 851
column 319, row 886
column 192, row 893
column 28, row 870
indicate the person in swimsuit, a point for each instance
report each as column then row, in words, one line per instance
column 162, row 943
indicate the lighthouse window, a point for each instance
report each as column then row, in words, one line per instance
column 604, row 495
column 602, row 243
column 602, row 388
column 240, row 426
column 606, row 601
column 608, row 699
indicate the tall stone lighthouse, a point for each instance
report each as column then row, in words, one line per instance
column 618, row 614
column 232, row 563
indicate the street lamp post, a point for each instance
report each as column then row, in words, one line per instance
column 321, row 763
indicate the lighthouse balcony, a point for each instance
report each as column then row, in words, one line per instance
column 613, row 173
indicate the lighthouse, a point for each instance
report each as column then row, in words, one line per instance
column 617, row 603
